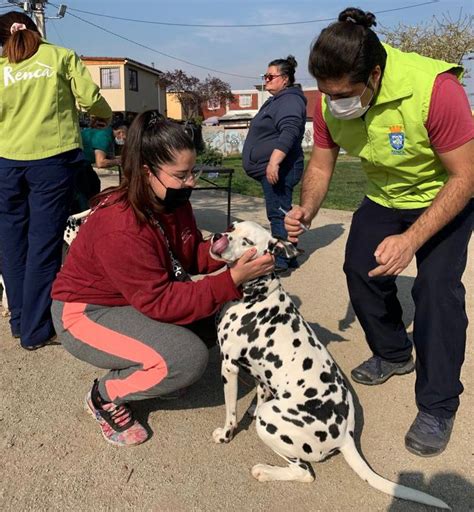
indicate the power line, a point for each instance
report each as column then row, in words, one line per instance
column 58, row 34
column 249, row 25
column 202, row 25
column 154, row 50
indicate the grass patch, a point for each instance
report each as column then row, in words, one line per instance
column 346, row 190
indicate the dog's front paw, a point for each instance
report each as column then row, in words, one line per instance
column 262, row 472
column 222, row 435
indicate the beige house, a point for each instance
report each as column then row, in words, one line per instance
column 129, row 87
column 175, row 111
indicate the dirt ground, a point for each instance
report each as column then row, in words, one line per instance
column 54, row 458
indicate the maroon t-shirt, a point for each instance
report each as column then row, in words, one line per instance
column 114, row 261
column 449, row 123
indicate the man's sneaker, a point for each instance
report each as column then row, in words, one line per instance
column 428, row 435
column 116, row 421
column 377, row 370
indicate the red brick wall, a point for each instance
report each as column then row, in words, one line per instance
column 311, row 96
column 213, row 113
column 234, row 105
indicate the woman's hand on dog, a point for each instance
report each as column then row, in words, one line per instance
column 247, row 268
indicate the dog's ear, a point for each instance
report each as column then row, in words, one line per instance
column 282, row 247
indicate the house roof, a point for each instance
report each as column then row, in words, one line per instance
column 123, row 60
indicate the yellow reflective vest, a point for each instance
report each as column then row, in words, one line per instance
column 391, row 139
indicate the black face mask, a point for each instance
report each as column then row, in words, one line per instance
column 176, row 197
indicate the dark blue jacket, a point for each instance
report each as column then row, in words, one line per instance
column 279, row 124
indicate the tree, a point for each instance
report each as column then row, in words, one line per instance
column 192, row 92
column 444, row 38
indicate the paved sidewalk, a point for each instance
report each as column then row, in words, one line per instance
column 54, row 458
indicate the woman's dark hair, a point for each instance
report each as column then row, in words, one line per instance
column 22, row 44
column 286, row 67
column 153, row 141
column 120, row 123
column 347, row 47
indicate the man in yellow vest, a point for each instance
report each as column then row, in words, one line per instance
column 408, row 119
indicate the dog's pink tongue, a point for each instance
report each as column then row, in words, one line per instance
column 219, row 246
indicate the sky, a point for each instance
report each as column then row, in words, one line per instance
column 242, row 51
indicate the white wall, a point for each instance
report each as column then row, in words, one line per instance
column 231, row 140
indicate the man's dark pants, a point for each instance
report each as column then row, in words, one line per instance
column 440, row 322
column 34, row 206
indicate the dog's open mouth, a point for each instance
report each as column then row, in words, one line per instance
column 219, row 245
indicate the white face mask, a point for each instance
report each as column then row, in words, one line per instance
column 348, row 108
column 119, row 142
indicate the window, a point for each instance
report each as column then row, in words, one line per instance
column 245, row 100
column 133, row 79
column 110, row 78
column 213, row 104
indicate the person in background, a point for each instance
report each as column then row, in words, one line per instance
column 99, row 152
column 40, row 153
column 123, row 299
column 272, row 152
column 408, row 119
column 120, row 130
column 98, row 142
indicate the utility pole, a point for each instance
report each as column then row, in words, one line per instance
column 36, row 9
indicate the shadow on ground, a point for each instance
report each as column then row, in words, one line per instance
column 453, row 489
column 318, row 238
column 404, row 285
column 207, row 392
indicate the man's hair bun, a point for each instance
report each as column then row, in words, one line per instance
column 358, row 16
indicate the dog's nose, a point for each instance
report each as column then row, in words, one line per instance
column 216, row 237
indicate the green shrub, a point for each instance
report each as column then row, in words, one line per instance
column 210, row 156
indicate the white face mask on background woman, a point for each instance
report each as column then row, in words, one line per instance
column 349, row 108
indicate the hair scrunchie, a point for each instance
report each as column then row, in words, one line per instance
column 16, row 27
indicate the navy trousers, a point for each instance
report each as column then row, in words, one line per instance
column 440, row 321
column 280, row 196
column 34, row 206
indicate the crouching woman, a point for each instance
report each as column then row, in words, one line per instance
column 124, row 301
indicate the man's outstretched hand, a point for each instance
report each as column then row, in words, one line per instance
column 393, row 255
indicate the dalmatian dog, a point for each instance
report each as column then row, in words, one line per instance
column 72, row 228
column 5, row 310
column 73, row 224
column 305, row 410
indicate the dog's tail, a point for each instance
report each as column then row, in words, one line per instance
column 364, row 471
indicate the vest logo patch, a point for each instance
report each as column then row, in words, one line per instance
column 396, row 137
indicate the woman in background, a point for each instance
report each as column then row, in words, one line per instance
column 272, row 152
column 40, row 154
